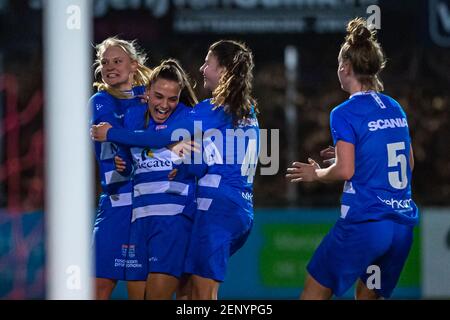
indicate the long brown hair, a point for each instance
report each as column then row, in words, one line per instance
column 364, row 53
column 140, row 78
column 234, row 91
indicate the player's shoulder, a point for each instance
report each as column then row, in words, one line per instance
column 136, row 110
column 139, row 90
column 204, row 108
column 204, row 104
column 183, row 107
column 388, row 100
column 102, row 95
column 342, row 107
column 101, row 99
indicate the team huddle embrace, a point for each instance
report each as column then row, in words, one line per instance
column 173, row 170
column 177, row 174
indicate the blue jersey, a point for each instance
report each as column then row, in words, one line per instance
column 154, row 193
column 106, row 108
column 381, row 185
column 231, row 155
column 230, row 152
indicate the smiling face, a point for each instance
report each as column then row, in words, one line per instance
column 163, row 99
column 117, row 69
column 212, row 72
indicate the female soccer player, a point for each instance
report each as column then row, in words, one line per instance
column 225, row 194
column 373, row 155
column 123, row 73
column 163, row 207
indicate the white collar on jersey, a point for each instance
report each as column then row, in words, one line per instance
column 359, row 93
column 128, row 92
column 374, row 96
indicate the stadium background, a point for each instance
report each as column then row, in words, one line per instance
column 288, row 226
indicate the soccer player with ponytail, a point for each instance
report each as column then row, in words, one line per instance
column 374, row 156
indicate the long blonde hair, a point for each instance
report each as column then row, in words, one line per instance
column 142, row 74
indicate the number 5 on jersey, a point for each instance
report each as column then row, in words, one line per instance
column 397, row 180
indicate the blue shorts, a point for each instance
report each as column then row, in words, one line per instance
column 159, row 245
column 111, row 237
column 350, row 249
column 217, row 234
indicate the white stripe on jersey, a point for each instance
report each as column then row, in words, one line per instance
column 344, row 211
column 378, row 100
column 157, row 210
column 210, row 180
column 203, row 203
column 348, row 187
column 108, row 150
column 161, row 187
column 374, row 96
column 211, row 152
column 120, row 199
column 113, row 177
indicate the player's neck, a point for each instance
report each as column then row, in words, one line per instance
column 356, row 87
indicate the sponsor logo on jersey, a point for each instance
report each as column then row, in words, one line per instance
column 248, row 122
column 151, row 160
column 124, row 250
column 381, row 124
column 147, row 153
column 161, row 126
column 131, row 251
column 127, row 263
column 403, row 205
column 155, row 164
column 247, row 196
column 118, row 116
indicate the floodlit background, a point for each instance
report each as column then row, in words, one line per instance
column 289, row 221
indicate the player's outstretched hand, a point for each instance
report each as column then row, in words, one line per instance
column 99, row 132
column 303, row 172
column 184, row 148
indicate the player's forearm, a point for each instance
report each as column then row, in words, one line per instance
column 148, row 138
column 333, row 173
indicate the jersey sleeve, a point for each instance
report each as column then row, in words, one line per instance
column 341, row 129
column 125, row 155
column 150, row 137
column 209, row 116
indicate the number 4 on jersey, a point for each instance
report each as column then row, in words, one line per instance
column 248, row 167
